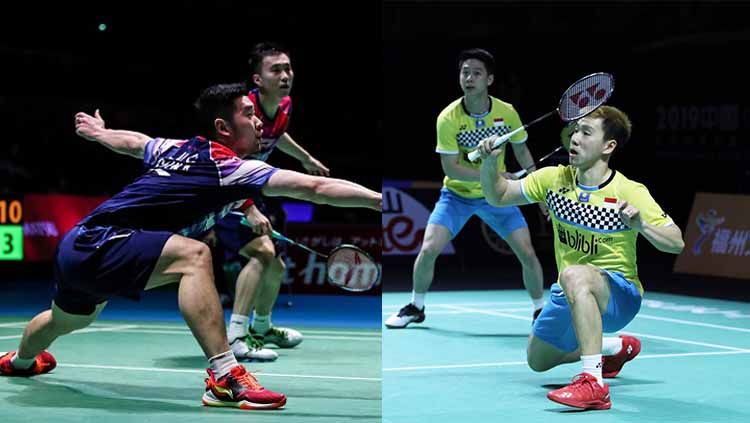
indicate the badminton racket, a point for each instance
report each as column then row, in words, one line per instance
column 347, row 266
column 580, row 99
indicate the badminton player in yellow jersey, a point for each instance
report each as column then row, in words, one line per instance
column 460, row 127
column 597, row 215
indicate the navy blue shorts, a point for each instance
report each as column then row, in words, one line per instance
column 233, row 235
column 94, row 264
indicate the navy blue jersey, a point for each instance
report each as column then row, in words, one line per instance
column 188, row 185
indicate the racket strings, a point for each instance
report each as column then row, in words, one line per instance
column 585, row 95
column 350, row 269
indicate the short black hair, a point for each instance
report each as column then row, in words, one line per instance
column 217, row 101
column 263, row 50
column 482, row 55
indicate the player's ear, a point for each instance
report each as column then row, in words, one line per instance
column 256, row 79
column 222, row 127
column 609, row 146
column 490, row 79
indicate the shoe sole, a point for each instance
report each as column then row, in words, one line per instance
column 596, row 405
column 281, row 344
column 419, row 320
column 244, row 405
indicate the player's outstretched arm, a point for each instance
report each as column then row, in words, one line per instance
column 321, row 190
column 124, row 142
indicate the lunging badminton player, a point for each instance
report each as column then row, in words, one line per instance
column 140, row 238
column 597, row 216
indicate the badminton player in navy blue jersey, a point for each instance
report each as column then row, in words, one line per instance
column 139, row 239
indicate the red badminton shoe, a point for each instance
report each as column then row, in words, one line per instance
column 612, row 364
column 43, row 363
column 240, row 389
column 584, row 393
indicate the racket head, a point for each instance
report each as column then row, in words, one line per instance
column 586, row 95
column 352, row 269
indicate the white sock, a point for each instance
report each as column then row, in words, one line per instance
column 21, row 364
column 538, row 303
column 221, row 364
column 611, row 345
column 261, row 324
column 417, row 299
column 237, row 327
column 592, row 364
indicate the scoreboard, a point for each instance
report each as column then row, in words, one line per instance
column 11, row 229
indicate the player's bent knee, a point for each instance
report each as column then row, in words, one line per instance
column 528, row 255
column 198, row 254
column 574, row 278
column 430, row 250
column 279, row 266
column 536, row 364
column 261, row 249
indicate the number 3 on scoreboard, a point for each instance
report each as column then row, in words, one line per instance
column 11, row 242
column 7, row 243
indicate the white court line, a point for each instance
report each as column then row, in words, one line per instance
column 185, row 332
column 176, row 328
column 431, row 312
column 489, row 303
column 443, row 312
column 519, row 363
column 88, row 330
column 692, row 323
column 684, row 341
column 373, row 333
column 14, row 324
column 167, row 370
column 487, row 312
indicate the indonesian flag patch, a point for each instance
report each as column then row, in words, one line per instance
column 610, row 202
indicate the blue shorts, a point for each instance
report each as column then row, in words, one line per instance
column 96, row 263
column 232, row 235
column 555, row 323
column 453, row 211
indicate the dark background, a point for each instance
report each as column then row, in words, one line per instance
column 150, row 64
column 681, row 74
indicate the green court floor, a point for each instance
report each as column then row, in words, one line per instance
column 466, row 362
column 153, row 372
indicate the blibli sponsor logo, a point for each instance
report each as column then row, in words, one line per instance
column 586, row 244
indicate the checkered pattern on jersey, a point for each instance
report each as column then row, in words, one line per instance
column 470, row 139
column 599, row 219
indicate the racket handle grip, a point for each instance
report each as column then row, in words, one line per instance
column 474, row 155
column 274, row 234
column 520, row 173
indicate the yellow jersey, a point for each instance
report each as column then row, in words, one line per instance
column 586, row 222
column 459, row 132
